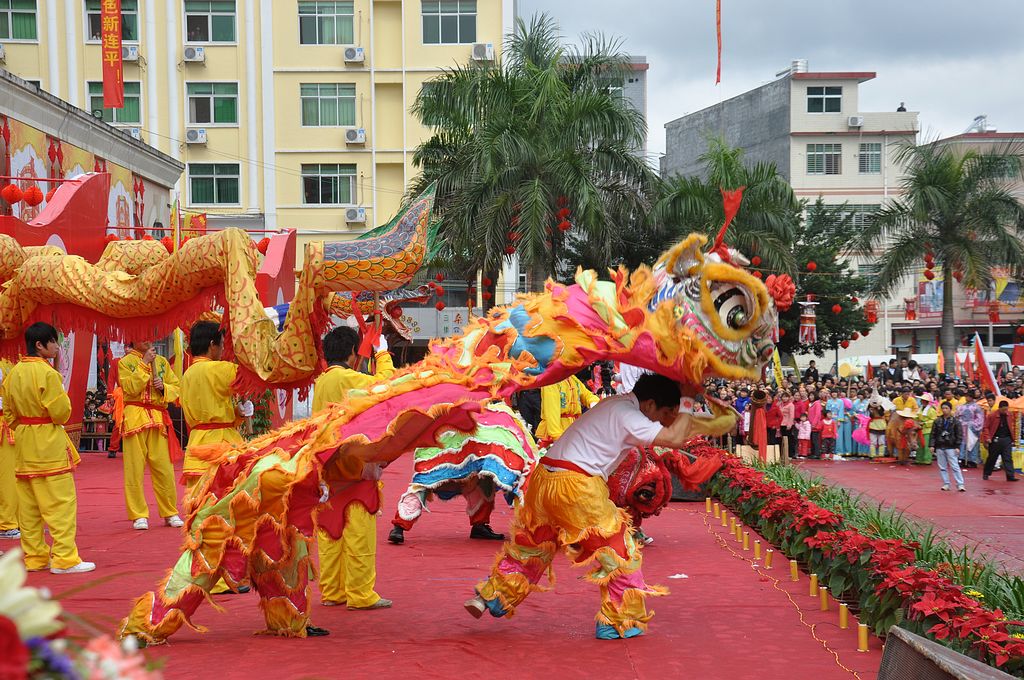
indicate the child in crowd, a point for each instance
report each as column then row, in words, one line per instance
column 876, row 431
column 829, row 434
column 803, row 436
column 745, row 425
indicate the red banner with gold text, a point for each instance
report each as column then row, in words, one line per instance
column 110, row 36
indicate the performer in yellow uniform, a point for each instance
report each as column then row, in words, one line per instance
column 8, row 485
column 560, row 405
column 348, row 553
column 147, row 433
column 206, row 398
column 36, row 406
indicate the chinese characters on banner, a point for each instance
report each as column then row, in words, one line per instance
column 110, row 36
column 196, row 225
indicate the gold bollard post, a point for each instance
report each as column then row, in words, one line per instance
column 768, row 558
column 725, row 518
column 717, row 510
column 823, row 596
column 707, row 504
column 844, row 616
column 794, row 573
column 738, row 533
column 862, row 637
column 732, row 525
column 757, row 550
column 814, row 585
column 746, row 540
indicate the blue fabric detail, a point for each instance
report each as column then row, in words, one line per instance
column 541, row 348
column 495, row 608
column 606, row 632
column 504, row 478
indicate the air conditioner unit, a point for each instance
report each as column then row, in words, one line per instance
column 3, row 53
column 136, row 133
column 129, row 52
column 483, row 52
column 355, row 55
column 355, row 215
column 195, row 136
column 855, row 121
column 355, row 136
column 195, row 54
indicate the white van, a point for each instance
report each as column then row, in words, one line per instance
column 997, row 360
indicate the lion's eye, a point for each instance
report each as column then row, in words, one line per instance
column 732, row 304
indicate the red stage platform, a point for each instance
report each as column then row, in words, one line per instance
column 722, row 620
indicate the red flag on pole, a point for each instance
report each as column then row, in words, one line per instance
column 1018, row 355
column 110, row 50
column 969, row 367
column 870, row 373
column 957, row 365
column 718, row 35
column 985, row 374
column 940, row 362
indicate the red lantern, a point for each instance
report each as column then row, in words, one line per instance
column 49, row 194
column 510, row 250
column 1020, row 331
column 486, row 295
column 439, row 290
column 168, row 243
column 782, row 331
column 565, row 225
column 756, row 261
column 837, row 308
column 487, row 282
column 263, row 244
column 844, row 344
column 757, row 275
column 959, row 276
column 514, row 236
column 929, row 274
column 33, row 196
column 811, row 266
column 563, row 201
column 471, row 290
column 439, row 277
column 563, row 213
column 864, row 334
column 514, row 222
column 11, row 193
column 854, row 336
column 439, row 306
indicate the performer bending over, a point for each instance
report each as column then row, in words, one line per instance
column 348, row 553
column 567, row 507
column 147, row 433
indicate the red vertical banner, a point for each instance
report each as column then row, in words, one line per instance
column 110, row 37
column 718, row 35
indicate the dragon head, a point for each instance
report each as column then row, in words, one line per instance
column 728, row 310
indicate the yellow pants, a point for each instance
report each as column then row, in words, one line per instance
column 8, row 489
column 148, row 448
column 50, row 501
column 348, row 566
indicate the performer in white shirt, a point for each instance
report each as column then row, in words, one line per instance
column 566, row 507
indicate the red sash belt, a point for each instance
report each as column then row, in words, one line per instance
column 173, row 445
column 213, row 426
column 564, row 465
column 34, row 420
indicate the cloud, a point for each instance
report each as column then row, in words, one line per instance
column 950, row 60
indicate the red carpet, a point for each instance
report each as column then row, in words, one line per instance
column 722, row 621
column 989, row 515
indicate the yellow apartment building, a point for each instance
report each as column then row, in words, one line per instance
column 286, row 113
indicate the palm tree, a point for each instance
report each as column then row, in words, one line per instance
column 958, row 206
column 518, row 142
column 766, row 223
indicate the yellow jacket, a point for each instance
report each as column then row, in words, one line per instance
column 333, row 386
column 206, row 398
column 136, row 379
column 900, row 403
column 34, row 389
column 560, row 405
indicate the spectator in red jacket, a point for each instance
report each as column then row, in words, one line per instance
column 1000, row 432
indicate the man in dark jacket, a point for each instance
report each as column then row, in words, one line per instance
column 945, row 441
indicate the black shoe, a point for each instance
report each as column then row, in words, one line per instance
column 1012, row 479
column 985, row 477
column 484, row 530
column 111, row 454
column 397, row 535
column 313, row 631
column 971, row 465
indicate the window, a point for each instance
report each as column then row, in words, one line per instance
column 18, row 20
column 132, row 111
column 869, row 162
column 862, row 214
column 129, row 19
column 326, row 23
column 824, row 99
column 213, row 183
column 521, row 286
column 824, row 159
column 450, row 22
column 212, row 103
column 328, row 104
column 327, row 184
column 869, row 271
column 210, row 20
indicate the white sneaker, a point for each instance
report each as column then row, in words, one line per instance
column 174, row 521
column 945, row 487
column 961, row 488
column 12, row 534
column 79, row 568
column 140, row 524
column 475, row 606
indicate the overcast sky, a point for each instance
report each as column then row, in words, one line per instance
column 951, row 60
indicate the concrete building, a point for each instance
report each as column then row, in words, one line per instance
column 290, row 114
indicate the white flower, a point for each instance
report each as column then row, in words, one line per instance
column 29, row 608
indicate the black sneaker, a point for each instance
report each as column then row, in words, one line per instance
column 397, row 535
column 313, row 631
column 484, row 531
column 1012, row 479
